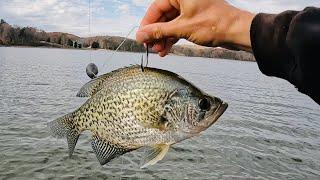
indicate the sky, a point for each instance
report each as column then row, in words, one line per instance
column 108, row 17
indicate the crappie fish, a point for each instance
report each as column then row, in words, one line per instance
column 130, row 108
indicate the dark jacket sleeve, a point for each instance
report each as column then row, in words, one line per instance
column 287, row 45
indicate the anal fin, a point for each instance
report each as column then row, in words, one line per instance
column 106, row 151
column 155, row 154
column 72, row 138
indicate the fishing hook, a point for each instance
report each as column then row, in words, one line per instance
column 147, row 56
column 142, row 69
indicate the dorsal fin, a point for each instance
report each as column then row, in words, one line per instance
column 92, row 87
column 96, row 84
column 106, row 151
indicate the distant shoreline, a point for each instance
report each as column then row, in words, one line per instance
column 31, row 37
column 90, row 49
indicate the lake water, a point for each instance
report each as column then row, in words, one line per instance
column 269, row 131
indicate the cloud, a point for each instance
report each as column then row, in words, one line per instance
column 108, row 17
column 143, row 3
column 124, row 8
column 70, row 16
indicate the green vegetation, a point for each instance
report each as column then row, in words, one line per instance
column 70, row 43
column 2, row 21
column 95, row 45
column 75, row 44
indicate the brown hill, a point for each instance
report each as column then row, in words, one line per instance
column 29, row 36
column 199, row 51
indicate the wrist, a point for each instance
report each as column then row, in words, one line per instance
column 238, row 33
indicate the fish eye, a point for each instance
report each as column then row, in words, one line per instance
column 204, row 104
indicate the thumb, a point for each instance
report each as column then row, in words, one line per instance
column 156, row 31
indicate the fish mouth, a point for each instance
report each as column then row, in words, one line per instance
column 216, row 114
column 219, row 111
column 209, row 120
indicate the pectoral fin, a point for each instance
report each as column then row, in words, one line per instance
column 155, row 154
column 106, row 151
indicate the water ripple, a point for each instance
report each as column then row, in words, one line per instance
column 270, row 131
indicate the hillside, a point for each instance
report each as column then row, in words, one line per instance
column 199, row 51
column 30, row 36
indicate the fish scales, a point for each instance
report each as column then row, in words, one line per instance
column 130, row 108
column 118, row 122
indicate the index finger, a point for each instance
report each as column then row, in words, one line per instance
column 156, row 10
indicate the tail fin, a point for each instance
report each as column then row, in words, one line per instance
column 64, row 127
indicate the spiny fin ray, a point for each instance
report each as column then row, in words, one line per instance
column 96, row 84
column 91, row 87
column 106, row 151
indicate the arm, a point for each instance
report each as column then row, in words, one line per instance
column 287, row 45
column 204, row 22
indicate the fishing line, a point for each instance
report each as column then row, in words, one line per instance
column 119, row 46
column 89, row 29
column 123, row 41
